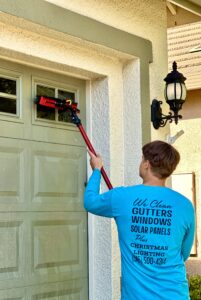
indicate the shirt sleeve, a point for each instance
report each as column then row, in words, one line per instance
column 96, row 203
column 189, row 237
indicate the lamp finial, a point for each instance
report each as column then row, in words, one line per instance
column 174, row 66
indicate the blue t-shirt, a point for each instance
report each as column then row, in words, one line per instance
column 156, row 231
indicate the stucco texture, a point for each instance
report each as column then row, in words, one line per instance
column 113, row 84
column 189, row 147
column 146, row 19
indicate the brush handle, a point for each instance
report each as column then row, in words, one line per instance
column 65, row 105
column 91, row 148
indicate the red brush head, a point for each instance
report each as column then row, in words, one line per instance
column 57, row 103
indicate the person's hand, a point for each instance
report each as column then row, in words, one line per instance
column 96, row 162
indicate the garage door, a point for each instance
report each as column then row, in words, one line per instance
column 43, row 227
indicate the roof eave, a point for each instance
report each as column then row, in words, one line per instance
column 188, row 5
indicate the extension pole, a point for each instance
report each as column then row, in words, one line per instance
column 67, row 105
column 91, row 148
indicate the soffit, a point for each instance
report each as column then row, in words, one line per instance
column 193, row 6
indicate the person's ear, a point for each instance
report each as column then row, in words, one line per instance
column 147, row 164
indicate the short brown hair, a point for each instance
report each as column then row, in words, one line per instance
column 162, row 157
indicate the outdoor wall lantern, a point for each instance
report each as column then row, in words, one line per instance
column 175, row 95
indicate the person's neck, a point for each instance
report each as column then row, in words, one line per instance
column 154, row 182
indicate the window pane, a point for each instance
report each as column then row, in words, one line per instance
column 66, row 95
column 65, row 116
column 45, row 91
column 8, row 105
column 42, row 111
column 45, row 112
column 8, row 86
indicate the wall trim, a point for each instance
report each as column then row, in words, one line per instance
column 85, row 28
column 79, row 26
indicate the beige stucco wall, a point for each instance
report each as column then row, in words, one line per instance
column 189, row 146
column 145, row 18
column 111, row 78
column 192, row 108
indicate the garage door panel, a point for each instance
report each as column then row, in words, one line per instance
column 48, row 252
column 13, row 294
column 58, row 176
column 57, row 135
column 58, row 242
column 43, row 225
column 42, row 247
column 67, row 290
column 13, row 259
column 12, row 173
column 13, row 129
column 37, row 176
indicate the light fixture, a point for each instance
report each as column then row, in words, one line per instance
column 175, row 96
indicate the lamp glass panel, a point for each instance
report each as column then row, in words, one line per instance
column 184, row 92
column 178, row 90
column 171, row 89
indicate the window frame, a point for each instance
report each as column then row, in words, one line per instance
column 37, row 80
column 11, row 75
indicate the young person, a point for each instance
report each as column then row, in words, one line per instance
column 155, row 226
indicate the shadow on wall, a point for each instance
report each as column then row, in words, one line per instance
column 189, row 147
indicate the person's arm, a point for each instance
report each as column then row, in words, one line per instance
column 95, row 203
column 188, row 238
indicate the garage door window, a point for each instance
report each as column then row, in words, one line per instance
column 8, row 95
column 51, row 114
